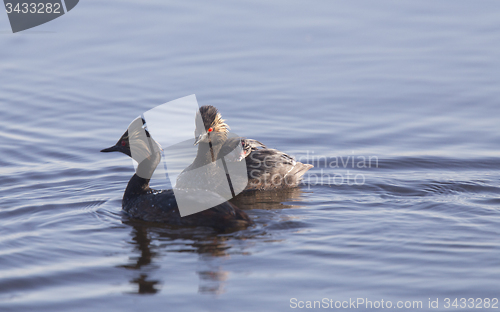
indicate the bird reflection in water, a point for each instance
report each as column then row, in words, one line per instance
column 212, row 281
column 145, row 286
column 142, row 241
column 269, row 200
column 203, row 241
column 207, row 243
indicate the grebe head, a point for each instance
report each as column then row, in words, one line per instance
column 123, row 145
column 136, row 142
column 210, row 126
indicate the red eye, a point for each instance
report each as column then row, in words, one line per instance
column 210, row 129
column 124, row 143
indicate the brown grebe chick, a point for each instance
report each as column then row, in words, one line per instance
column 142, row 202
column 267, row 168
column 210, row 135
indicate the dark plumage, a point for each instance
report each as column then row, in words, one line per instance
column 142, row 202
column 267, row 168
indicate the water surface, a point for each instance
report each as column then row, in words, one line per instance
column 411, row 86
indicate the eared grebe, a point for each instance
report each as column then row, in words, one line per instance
column 267, row 168
column 210, row 135
column 142, row 202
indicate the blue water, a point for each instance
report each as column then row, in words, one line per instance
column 413, row 87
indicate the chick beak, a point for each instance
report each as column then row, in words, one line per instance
column 201, row 138
column 242, row 156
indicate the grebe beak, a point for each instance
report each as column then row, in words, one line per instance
column 201, row 138
column 113, row 148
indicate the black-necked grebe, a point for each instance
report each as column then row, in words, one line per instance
column 210, row 135
column 267, row 168
column 142, row 202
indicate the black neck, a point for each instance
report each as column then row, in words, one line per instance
column 137, row 186
column 206, row 154
column 139, row 183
